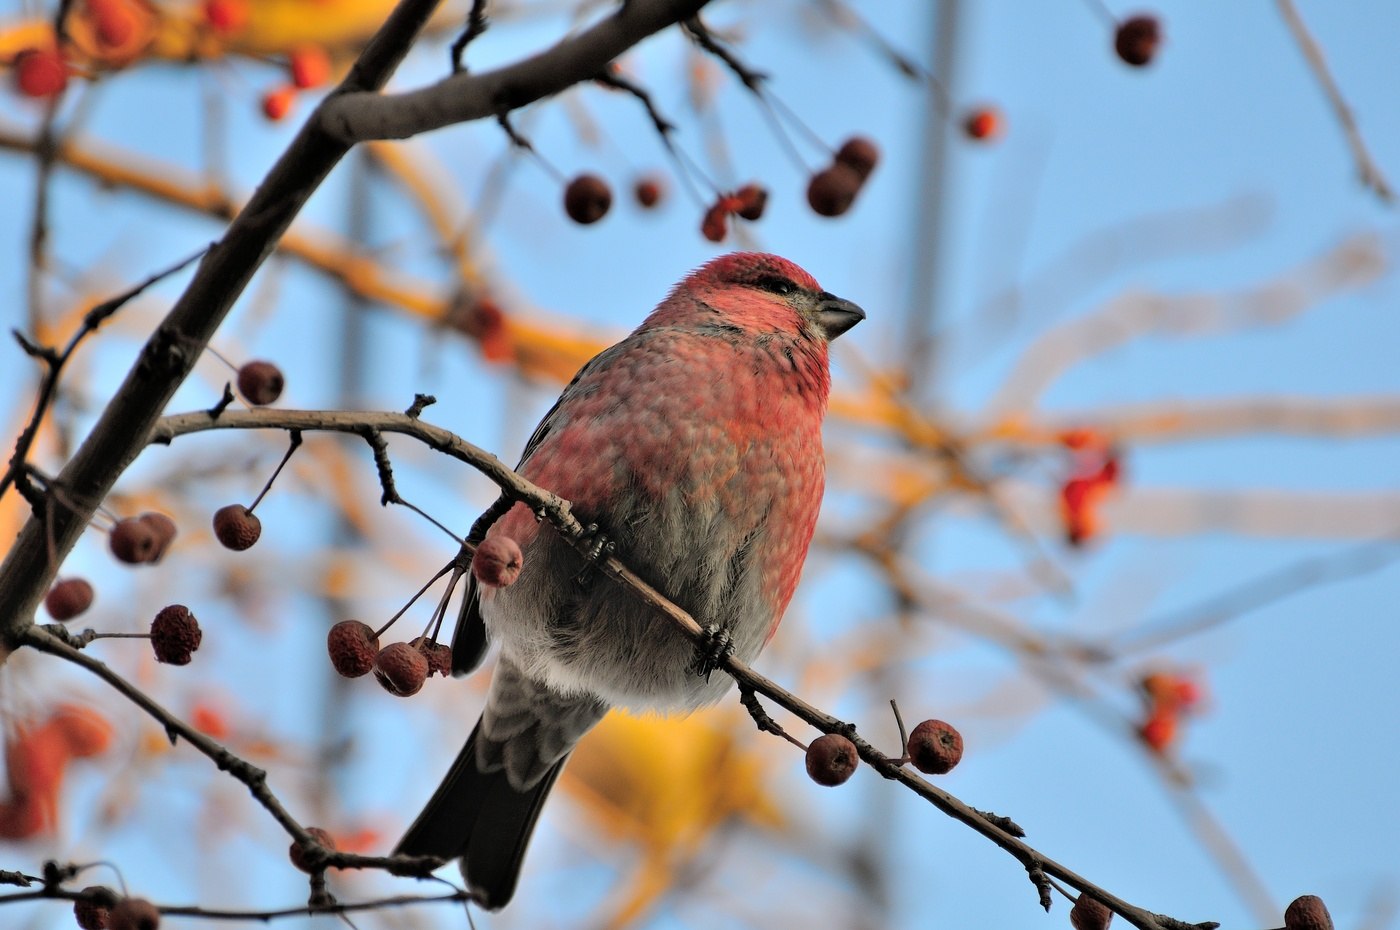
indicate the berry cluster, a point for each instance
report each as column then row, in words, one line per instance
column 934, row 748
column 833, row 190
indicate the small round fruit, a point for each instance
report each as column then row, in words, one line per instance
column 40, row 72
column 1307, row 913
column 1136, row 40
column 983, row 123
column 237, row 527
column 133, row 541
column 93, row 909
column 648, row 192
column 438, row 655
column 831, row 759
column 175, row 635
column 497, row 562
column 587, row 199
column 1089, row 914
column 935, row 747
column 164, row 528
column 353, row 647
column 401, row 669
column 310, row 66
column 277, row 103
column 85, row 732
column 133, row 914
column 859, row 154
column 298, row 852
column 260, row 383
column 715, row 225
column 751, row 200
column 832, row 190
column 68, row 598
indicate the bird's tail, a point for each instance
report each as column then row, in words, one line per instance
column 479, row 817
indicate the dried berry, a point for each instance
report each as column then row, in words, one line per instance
column 498, row 562
column 1307, row 913
column 831, row 759
column 40, row 72
column 133, row 541
column 439, row 656
column 401, row 669
column 175, row 635
column 68, row 598
column 298, row 852
column 237, row 527
column 860, row 155
column 935, row 747
column 587, row 199
column 352, row 646
column 1136, row 40
column 260, row 383
column 1089, row 914
column 983, row 123
column 93, row 909
column 133, row 914
column 165, row 531
column 648, row 192
column 832, row 190
column 715, row 225
column 750, row 200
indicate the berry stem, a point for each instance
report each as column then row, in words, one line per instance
column 903, row 733
column 412, row 600
column 292, row 447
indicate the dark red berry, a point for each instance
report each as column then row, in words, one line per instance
column 237, row 527
column 831, row 759
column 439, row 656
column 750, row 201
column 1089, row 914
column 165, row 531
column 832, row 190
column 587, row 199
column 935, row 747
column 68, row 598
column 299, row 852
column 133, row 541
column 715, row 225
column 860, row 155
column 401, row 669
column 1137, row 38
column 648, row 192
column 260, row 383
column 497, row 562
column 93, row 909
column 352, row 646
column 175, row 635
column 133, row 914
column 1307, row 913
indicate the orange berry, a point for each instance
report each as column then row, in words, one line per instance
column 277, row 103
column 983, row 124
column 226, row 15
column 310, row 66
column 1159, row 731
column 86, row 732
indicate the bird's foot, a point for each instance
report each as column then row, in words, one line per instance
column 598, row 547
column 711, row 650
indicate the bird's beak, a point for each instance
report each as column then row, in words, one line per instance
column 835, row 316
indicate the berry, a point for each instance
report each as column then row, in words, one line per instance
column 497, row 562
column 115, row 20
column 1136, row 40
column 1160, row 730
column 68, row 598
column 260, row 383
column 750, row 201
column 1307, row 913
column 226, row 15
column 648, row 191
column 175, row 635
column 86, row 732
column 587, row 199
column 860, row 155
column 353, row 647
column 983, row 123
column 93, row 909
column 298, row 852
column 237, row 527
column 1089, row 914
column 165, row 531
column 401, row 669
column 133, row 914
column 438, row 655
column 832, row 190
column 935, row 747
column 715, row 225
column 277, row 103
column 40, row 72
column 831, row 759
column 134, row 541
column 310, row 66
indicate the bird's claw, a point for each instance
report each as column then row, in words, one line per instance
column 598, row 545
column 711, row 650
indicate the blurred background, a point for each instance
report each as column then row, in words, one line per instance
column 1112, row 463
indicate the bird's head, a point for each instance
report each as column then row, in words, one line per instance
column 758, row 291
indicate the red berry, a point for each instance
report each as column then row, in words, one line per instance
column 226, row 15
column 860, row 155
column 260, row 383
column 68, row 598
column 439, row 656
column 1136, row 40
column 587, row 199
column 498, row 562
column 310, row 66
column 1160, row 729
column 750, row 201
column 164, row 529
column 237, row 527
column 115, row 20
column 648, row 192
column 40, row 72
column 401, row 669
column 134, row 541
column 715, row 225
column 1089, row 914
column 831, row 759
column 85, row 731
column 1307, row 913
column 832, row 190
column 935, row 747
column 175, row 635
column 298, row 852
column 352, row 646
column 133, row 914
column 93, row 909
column 277, row 103
column 983, row 123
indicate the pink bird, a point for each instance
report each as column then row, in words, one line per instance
column 695, row 445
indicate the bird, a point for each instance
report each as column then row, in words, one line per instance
column 693, row 447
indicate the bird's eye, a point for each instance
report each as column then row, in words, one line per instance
column 776, row 285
